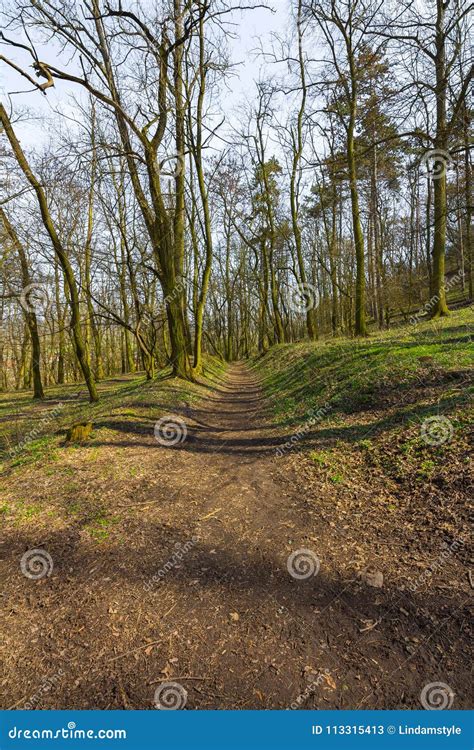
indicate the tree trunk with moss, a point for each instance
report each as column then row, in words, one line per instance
column 360, row 324
column 297, row 143
column 63, row 259
column 197, row 150
column 439, row 307
column 30, row 314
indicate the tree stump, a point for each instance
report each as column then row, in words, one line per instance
column 79, row 433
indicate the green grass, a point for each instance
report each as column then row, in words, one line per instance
column 99, row 527
column 328, row 463
column 364, row 402
column 36, row 430
column 320, row 458
column 351, row 376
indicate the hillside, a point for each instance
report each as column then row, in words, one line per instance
column 304, row 523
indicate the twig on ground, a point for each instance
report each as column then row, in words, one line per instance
column 203, row 518
column 134, row 650
column 180, row 677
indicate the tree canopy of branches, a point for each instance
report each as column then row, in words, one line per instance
column 152, row 223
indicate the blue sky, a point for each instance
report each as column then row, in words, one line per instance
column 251, row 26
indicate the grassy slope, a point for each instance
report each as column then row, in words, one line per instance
column 41, row 425
column 351, row 374
column 365, row 460
column 51, row 485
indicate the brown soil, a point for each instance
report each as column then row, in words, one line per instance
column 227, row 620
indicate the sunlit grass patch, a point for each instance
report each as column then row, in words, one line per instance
column 42, row 449
column 397, row 404
column 356, row 374
column 99, row 527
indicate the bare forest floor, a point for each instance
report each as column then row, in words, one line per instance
column 121, row 612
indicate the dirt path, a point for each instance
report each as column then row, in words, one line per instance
column 192, row 584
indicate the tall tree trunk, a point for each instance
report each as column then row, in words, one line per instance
column 60, row 252
column 439, row 306
column 197, row 146
column 360, row 323
column 297, row 143
column 468, row 200
column 60, row 375
column 30, row 314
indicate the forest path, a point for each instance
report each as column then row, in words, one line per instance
column 173, row 564
column 229, row 453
